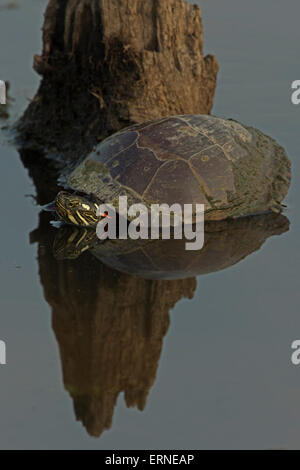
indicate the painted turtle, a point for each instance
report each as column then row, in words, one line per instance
column 232, row 169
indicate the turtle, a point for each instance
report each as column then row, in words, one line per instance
column 230, row 168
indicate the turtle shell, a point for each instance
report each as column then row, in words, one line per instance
column 232, row 169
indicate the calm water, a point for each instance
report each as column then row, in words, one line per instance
column 218, row 375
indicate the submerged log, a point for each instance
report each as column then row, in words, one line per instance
column 107, row 64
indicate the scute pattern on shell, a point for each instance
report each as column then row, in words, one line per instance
column 234, row 170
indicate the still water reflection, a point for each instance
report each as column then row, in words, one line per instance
column 110, row 319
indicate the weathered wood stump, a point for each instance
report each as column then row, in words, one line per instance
column 107, row 64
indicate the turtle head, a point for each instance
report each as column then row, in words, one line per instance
column 77, row 209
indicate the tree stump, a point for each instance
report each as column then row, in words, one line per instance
column 107, row 64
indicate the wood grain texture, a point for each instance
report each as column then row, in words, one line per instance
column 107, row 64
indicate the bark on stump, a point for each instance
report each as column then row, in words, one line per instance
column 107, row 64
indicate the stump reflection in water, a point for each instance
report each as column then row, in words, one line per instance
column 110, row 325
column 110, row 328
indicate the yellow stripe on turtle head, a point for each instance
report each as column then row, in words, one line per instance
column 81, row 218
column 72, row 219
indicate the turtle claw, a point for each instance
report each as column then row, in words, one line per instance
column 57, row 223
column 49, row 207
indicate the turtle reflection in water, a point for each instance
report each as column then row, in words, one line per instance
column 226, row 243
column 232, row 169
